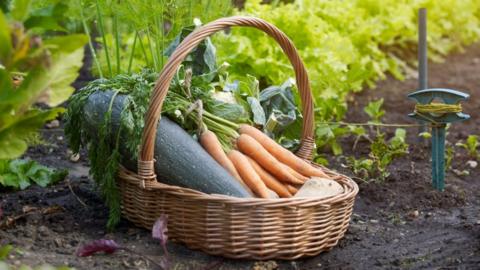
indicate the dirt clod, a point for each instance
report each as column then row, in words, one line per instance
column 268, row 265
column 75, row 157
column 413, row 214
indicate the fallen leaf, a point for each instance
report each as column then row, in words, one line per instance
column 101, row 245
column 160, row 230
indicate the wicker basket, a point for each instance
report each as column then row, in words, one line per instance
column 236, row 227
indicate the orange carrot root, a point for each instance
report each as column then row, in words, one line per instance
column 211, row 144
column 291, row 189
column 302, row 178
column 270, row 181
column 250, row 147
column 248, row 174
column 282, row 154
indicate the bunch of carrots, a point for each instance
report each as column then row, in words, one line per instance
column 258, row 162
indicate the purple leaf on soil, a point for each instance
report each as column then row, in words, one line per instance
column 160, row 229
column 101, row 245
column 159, row 232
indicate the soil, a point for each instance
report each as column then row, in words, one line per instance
column 399, row 223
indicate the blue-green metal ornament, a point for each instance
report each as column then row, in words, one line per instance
column 438, row 115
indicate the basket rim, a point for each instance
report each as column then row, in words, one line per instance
column 350, row 188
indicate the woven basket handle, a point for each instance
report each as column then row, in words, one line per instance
column 145, row 160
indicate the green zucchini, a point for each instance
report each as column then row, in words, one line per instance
column 179, row 159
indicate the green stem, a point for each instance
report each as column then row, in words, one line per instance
column 117, row 42
column 104, row 39
column 110, row 106
column 158, row 45
column 147, row 62
column 190, row 12
column 150, row 45
column 90, row 43
column 163, row 43
column 221, row 120
column 132, row 53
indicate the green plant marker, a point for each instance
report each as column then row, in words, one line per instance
column 438, row 115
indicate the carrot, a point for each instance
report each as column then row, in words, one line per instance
column 255, row 150
column 282, row 154
column 248, row 174
column 211, row 144
column 270, row 181
column 299, row 176
column 291, row 189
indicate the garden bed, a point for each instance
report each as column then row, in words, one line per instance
column 401, row 223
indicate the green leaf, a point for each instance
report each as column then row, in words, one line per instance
column 5, row 41
column 5, row 87
column 336, row 148
column 66, row 62
column 398, row 141
column 201, row 59
column 63, row 72
column 5, row 251
column 28, row 91
column 53, row 83
column 41, row 177
column 374, row 110
column 11, row 147
column 257, row 111
column 229, row 111
column 13, row 135
column 472, row 142
column 43, row 23
column 20, row 9
column 425, row 135
column 66, row 44
column 21, row 173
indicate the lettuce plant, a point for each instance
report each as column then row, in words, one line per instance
column 345, row 45
column 32, row 71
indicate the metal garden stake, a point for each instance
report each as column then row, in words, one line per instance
column 438, row 115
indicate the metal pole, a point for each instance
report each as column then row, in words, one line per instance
column 422, row 55
column 422, row 49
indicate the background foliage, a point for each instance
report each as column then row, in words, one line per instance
column 346, row 45
column 33, row 70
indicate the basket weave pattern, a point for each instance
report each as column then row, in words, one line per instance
column 236, row 227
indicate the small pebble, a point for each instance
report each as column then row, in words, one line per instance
column 461, row 173
column 75, row 157
column 472, row 163
column 53, row 124
column 43, row 230
column 58, row 242
column 414, row 214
